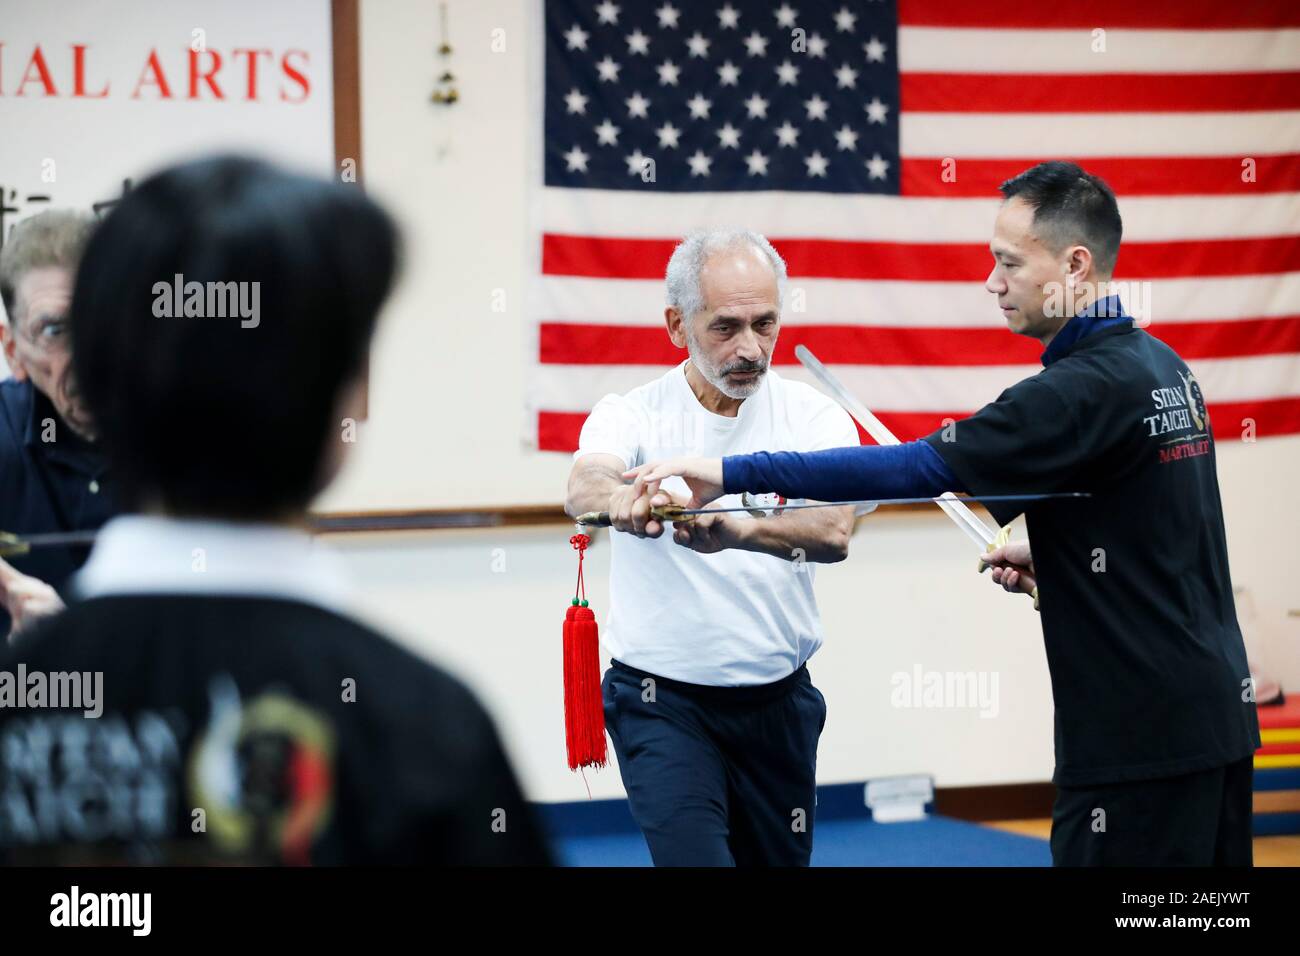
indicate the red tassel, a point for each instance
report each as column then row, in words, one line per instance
column 584, row 708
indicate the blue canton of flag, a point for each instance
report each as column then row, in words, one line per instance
column 712, row 97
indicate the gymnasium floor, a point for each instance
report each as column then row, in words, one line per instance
column 937, row 841
column 601, row 833
column 1269, row 850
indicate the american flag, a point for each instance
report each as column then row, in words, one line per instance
column 867, row 141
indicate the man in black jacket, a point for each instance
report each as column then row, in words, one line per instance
column 206, row 698
column 53, row 475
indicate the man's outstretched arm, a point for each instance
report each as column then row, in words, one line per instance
column 910, row 470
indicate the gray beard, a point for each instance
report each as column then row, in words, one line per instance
column 715, row 377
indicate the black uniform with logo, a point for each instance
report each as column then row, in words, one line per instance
column 1155, row 716
column 248, row 729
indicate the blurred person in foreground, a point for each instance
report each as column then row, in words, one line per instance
column 223, row 707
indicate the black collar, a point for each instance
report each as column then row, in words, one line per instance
column 1095, row 338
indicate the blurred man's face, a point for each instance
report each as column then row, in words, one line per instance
column 731, row 341
column 1023, row 266
column 36, row 341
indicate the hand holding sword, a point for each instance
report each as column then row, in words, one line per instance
column 26, row 599
column 1013, row 568
column 704, row 478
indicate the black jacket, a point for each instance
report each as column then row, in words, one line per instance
column 249, row 730
column 47, row 486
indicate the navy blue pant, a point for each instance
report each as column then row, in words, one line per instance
column 718, row 776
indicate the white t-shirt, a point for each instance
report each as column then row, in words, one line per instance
column 727, row 619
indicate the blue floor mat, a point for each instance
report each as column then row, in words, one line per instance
column 936, row 841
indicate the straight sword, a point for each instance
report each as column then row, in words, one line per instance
column 11, row 545
column 676, row 513
column 962, row 516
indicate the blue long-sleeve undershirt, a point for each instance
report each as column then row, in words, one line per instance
column 910, row 470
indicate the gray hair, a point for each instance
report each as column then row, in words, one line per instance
column 54, row 238
column 683, row 277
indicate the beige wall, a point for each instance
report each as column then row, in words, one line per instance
column 447, row 376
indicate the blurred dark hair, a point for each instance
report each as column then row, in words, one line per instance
column 1071, row 207
column 203, row 415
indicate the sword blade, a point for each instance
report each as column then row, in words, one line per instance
column 600, row 519
column 59, row 538
column 976, row 529
column 12, row 545
column 684, row 512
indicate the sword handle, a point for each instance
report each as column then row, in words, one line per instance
column 1003, row 536
column 11, row 546
column 600, row 519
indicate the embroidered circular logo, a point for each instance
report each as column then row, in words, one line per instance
column 264, row 774
column 1195, row 400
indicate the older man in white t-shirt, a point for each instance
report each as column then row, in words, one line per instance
column 708, row 701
